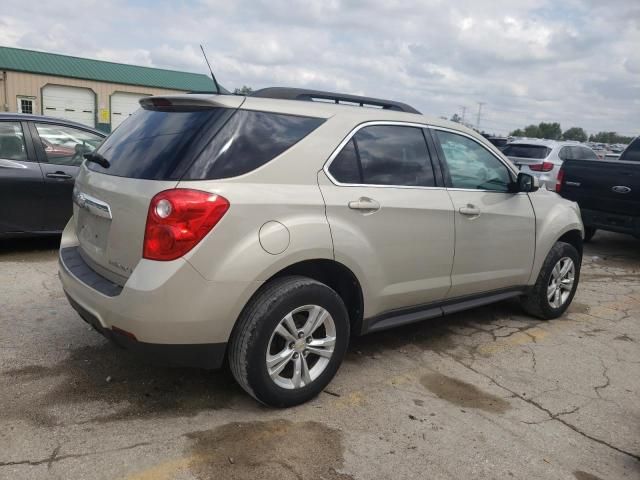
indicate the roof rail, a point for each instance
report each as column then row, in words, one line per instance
column 285, row 93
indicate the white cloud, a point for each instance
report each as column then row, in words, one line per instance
column 529, row 61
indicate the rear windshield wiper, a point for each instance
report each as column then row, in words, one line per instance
column 95, row 157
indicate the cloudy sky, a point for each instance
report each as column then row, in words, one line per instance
column 572, row 61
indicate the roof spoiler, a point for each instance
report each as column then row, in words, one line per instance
column 190, row 101
column 285, row 93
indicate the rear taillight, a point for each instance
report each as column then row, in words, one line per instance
column 559, row 181
column 178, row 219
column 542, row 167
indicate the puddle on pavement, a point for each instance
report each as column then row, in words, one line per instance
column 463, row 394
column 271, row 450
column 134, row 389
column 580, row 475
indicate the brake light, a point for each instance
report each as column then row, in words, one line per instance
column 542, row 167
column 178, row 219
column 559, row 180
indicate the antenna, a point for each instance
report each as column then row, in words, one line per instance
column 213, row 77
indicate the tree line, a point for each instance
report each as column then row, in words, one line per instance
column 553, row 131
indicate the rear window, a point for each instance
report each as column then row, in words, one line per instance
column 199, row 144
column 526, row 151
column 158, row 145
column 632, row 152
column 249, row 140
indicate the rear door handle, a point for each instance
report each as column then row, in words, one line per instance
column 61, row 175
column 365, row 204
column 470, row 210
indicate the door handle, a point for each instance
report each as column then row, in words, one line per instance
column 60, row 175
column 470, row 210
column 365, row 204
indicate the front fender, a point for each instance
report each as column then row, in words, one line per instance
column 555, row 216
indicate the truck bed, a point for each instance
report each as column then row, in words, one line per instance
column 608, row 192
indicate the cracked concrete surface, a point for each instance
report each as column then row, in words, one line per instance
column 488, row 393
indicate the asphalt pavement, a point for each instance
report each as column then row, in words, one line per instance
column 485, row 394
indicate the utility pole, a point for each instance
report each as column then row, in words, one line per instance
column 464, row 110
column 480, row 104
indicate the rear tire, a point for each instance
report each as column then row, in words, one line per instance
column 276, row 355
column 552, row 294
column 589, row 232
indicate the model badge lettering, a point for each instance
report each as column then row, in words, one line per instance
column 120, row 266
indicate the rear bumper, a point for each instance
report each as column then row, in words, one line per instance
column 612, row 222
column 200, row 355
column 166, row 310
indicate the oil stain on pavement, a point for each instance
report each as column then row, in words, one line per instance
column 269, row 450
column 463, row 394
column 106, row 374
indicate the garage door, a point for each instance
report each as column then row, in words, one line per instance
column 123, row 105
column 72, row 103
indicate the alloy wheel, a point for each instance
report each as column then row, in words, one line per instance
column 561, row 282
column 301, row 347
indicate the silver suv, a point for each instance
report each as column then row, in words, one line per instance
column 543, row 158
column 267, row 230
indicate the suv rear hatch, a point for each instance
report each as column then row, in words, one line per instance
column 526, row 154
column 148, row 153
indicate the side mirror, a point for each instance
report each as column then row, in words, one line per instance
column 526, row 183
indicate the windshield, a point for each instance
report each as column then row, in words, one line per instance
column 526, row 151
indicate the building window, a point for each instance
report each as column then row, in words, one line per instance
column 25, row 105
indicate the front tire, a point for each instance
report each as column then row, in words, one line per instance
column 556, row 284
column 289, row 341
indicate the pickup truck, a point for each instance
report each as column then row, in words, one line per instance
column 607, row 191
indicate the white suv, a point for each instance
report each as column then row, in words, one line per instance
column 543, row 158
column 268, row 230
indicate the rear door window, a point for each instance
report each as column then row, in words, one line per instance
column 526, row 151
column 345, row 168
column 584, row 153
column 64, row 145
column 249, row 140
column 394, row 155
column 632, row 152
column 390, row 155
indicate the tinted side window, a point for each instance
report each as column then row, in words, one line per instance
column 12, row 141
column 632, row 152
column 471, row 166
column 345, row 168
column 66, row 145
column 249, row 140
column 394, row 155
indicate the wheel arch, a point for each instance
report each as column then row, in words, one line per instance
column 338, row 277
